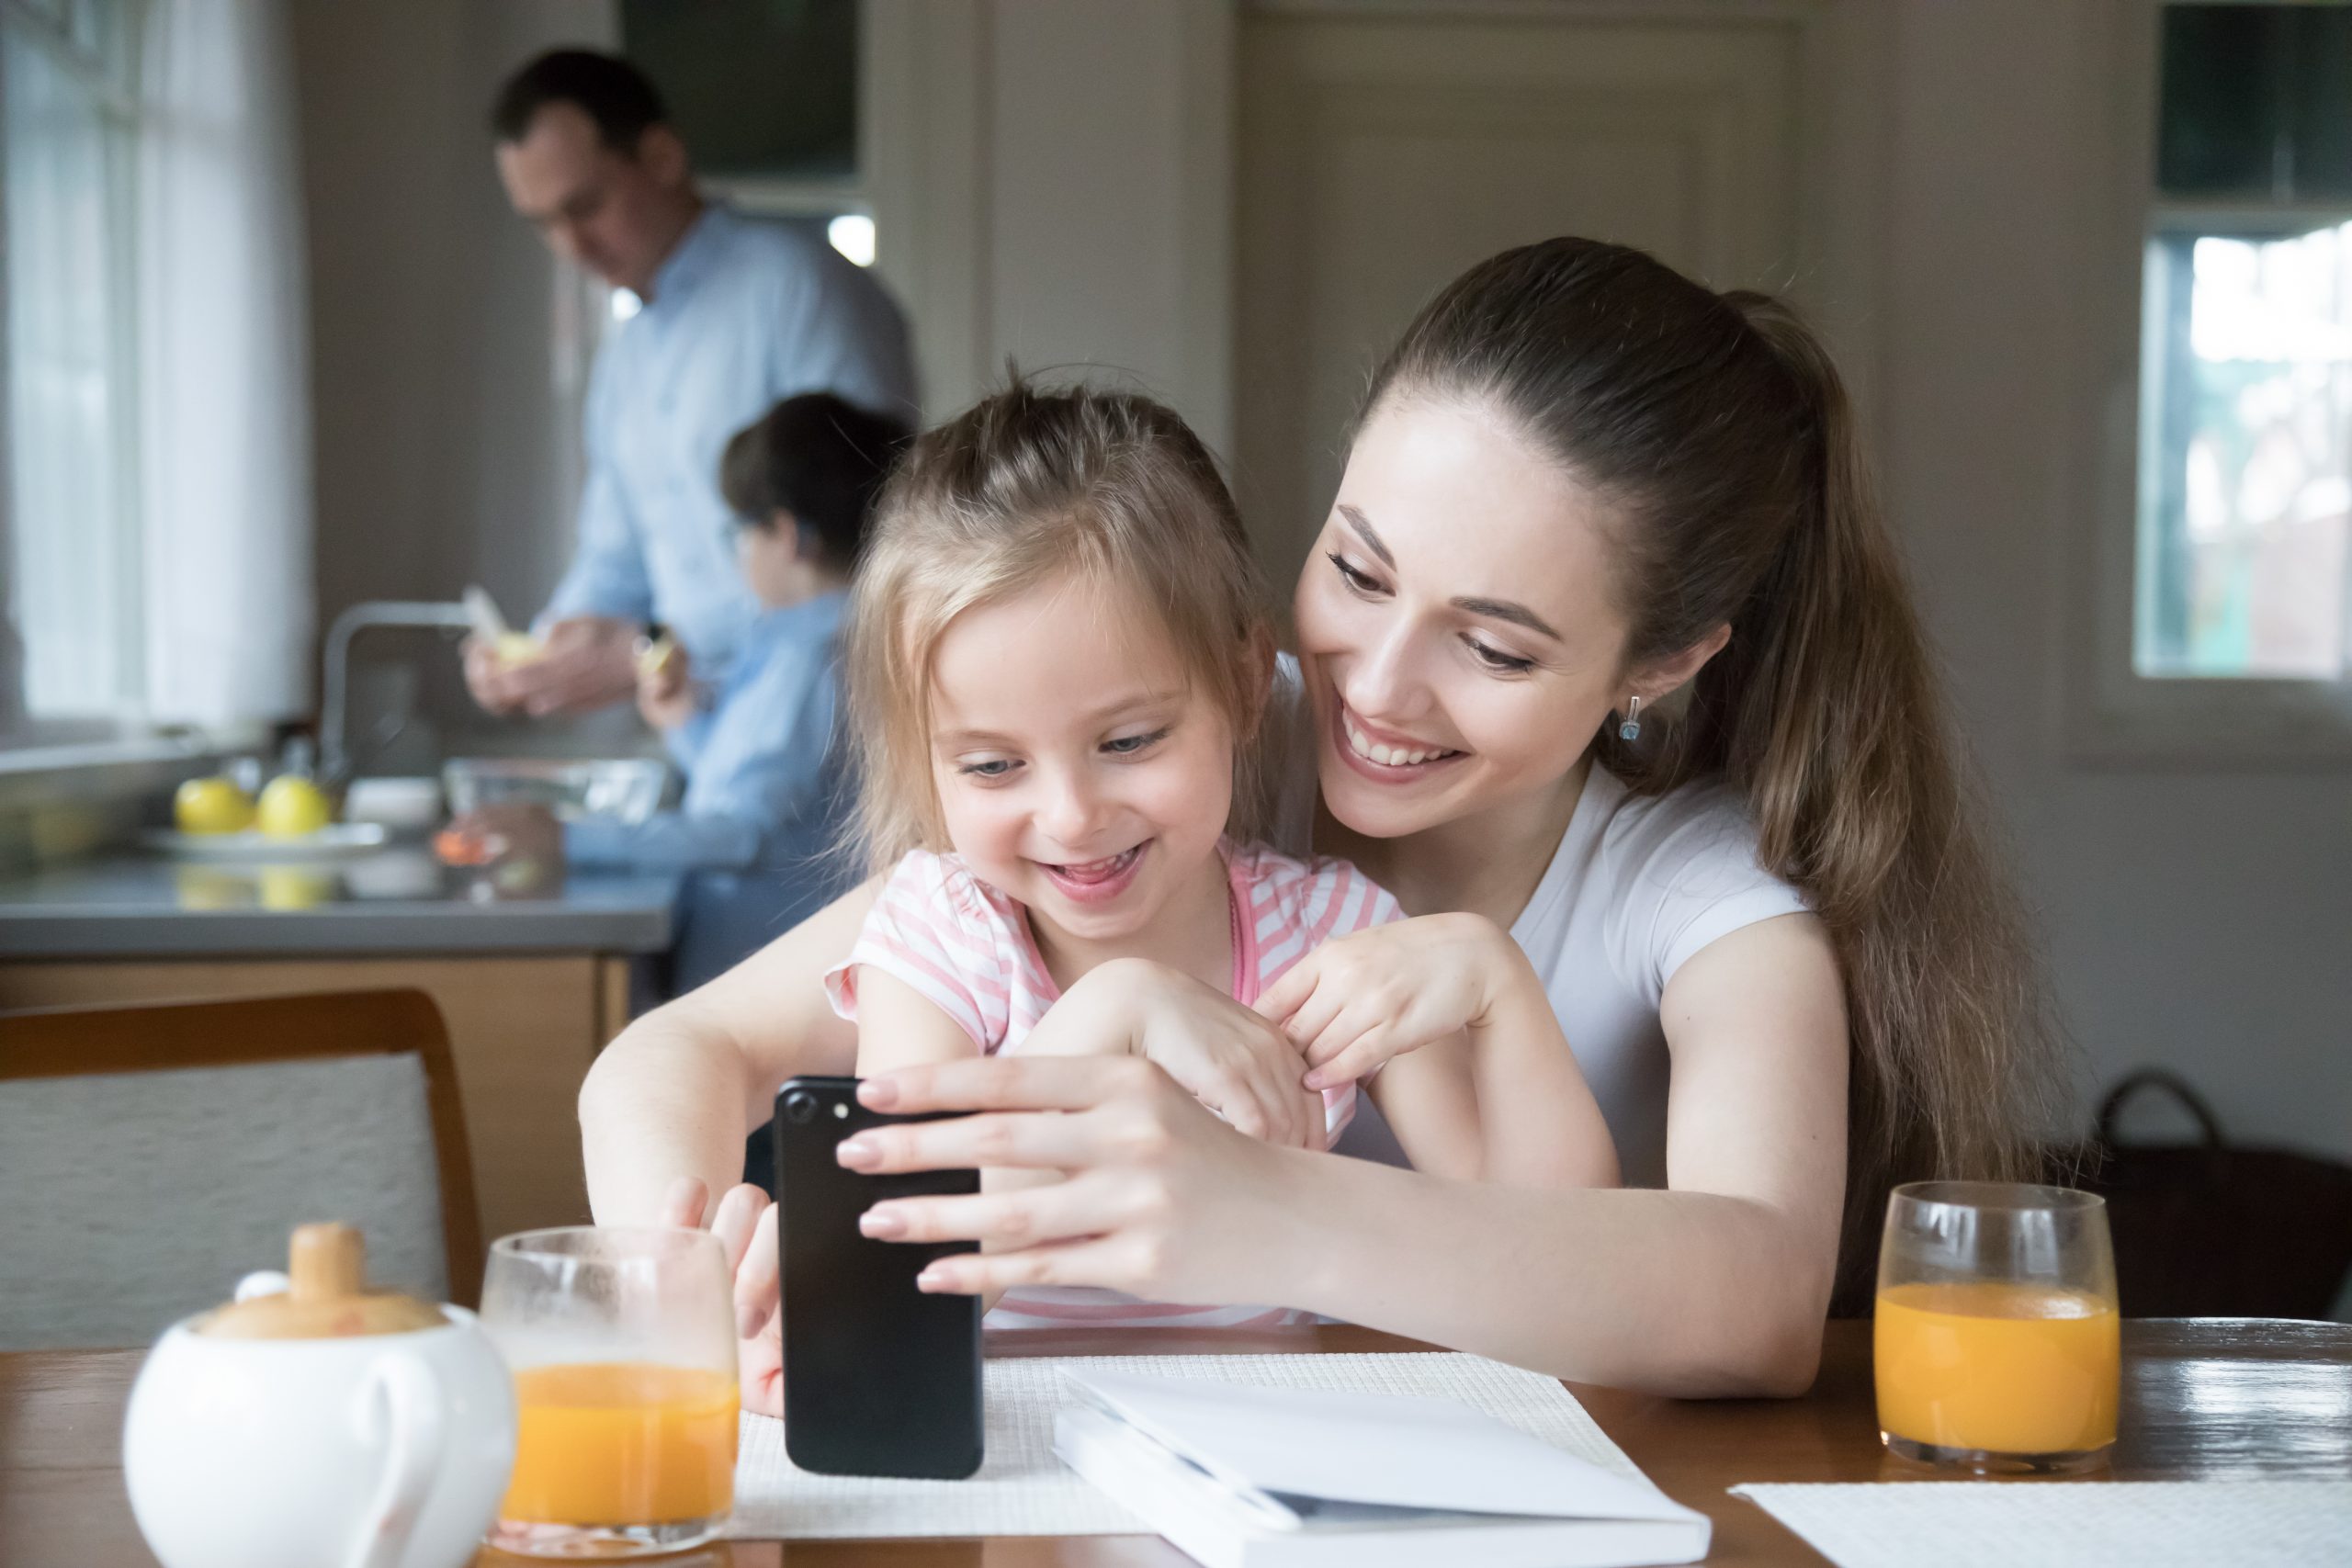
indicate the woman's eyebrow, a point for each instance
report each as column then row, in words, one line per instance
column 1494, row 609
column 1371, row 540
column 1507, row 610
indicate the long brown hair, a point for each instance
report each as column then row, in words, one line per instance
column 1717, row 427
column 1025, row 487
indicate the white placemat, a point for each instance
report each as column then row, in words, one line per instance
column 1023, row 1489
column 2090, row 1524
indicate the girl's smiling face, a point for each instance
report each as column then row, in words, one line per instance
column 1078, row 770
column 1455, row 630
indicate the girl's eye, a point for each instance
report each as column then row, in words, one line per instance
column 1128, row 745
column 989, row 768
column 1497, row 659
column 1361, row 582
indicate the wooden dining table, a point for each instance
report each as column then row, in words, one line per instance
column 2203, row 1399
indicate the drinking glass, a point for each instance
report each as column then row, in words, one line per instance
column 1998, row 1343
column 622, row 1343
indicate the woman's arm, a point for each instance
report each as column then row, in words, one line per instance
column 1475, row 1077
column 675, row 1094
column 1716, row 1287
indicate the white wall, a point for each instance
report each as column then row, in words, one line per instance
column 1052, row 185
column 2199, row 917
column 445, row 438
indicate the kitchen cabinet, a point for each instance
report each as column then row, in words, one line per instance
column 531, row 989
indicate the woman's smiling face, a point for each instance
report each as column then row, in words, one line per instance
column 1455, row 628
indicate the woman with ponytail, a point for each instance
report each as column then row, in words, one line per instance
column 1607, row 668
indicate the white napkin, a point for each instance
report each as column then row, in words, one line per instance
column 1023, row 1489
column 2057, row 1524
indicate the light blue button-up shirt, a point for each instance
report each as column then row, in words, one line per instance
column 763, row 782
column 744, row 313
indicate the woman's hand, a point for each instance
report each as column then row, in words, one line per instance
column 1158, row 1197
column 1356, row 1002
column 1229, row 1059
column 745, row 1225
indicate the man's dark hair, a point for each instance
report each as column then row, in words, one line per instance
column 609, row 91
column 818, row 458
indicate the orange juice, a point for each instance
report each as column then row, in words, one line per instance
column 622, row 1443
column 2009, row 1369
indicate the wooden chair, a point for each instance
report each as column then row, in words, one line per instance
column 152, row 1154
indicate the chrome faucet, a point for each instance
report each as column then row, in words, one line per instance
column 334, row 746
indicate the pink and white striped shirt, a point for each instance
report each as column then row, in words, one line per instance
column 968, row 949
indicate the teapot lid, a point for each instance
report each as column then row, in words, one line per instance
column 326, row 1297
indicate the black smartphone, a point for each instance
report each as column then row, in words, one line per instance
column 879, row 1378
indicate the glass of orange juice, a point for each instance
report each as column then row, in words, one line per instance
column 1997, row 1342
column 622, row 1343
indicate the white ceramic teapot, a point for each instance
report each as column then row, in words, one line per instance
column 313, row 1422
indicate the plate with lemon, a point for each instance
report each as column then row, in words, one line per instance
column 292, row 820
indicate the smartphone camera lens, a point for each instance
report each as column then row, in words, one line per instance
column 800, row 1108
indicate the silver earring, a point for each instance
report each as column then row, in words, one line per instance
column 1632, row 729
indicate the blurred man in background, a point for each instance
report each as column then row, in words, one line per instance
column 732, row 315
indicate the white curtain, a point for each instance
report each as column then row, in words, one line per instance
column 224, row 384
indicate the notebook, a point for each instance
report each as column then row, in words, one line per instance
column 1243, row 1477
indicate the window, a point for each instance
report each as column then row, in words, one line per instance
column 157, row 477
column 68, row 74
column 2243, row 556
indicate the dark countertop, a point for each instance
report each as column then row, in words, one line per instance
column 394, row 900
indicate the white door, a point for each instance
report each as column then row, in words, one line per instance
column 1381, row 153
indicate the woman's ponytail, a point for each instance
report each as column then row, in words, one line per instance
column 1721, row 425
column 1839, row 739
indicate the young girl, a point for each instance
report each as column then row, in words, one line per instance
column 1056, row 662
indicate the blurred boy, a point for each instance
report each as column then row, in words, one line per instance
column 762, row 783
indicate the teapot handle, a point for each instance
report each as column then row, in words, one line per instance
column 401, row 1406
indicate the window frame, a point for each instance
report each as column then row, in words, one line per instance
column 2114, row 714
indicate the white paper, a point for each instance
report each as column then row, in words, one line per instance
column 1021, row 1489
column 1357, row 1447
column 2056, row 1524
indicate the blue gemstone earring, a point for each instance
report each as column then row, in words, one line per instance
column 1630, row 729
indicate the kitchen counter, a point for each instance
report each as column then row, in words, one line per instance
column 396, row 900
column 530, row 984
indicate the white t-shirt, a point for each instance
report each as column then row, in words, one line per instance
column 1637, row 886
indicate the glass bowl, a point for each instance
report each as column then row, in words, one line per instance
column 618, row 789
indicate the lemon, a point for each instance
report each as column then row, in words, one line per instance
column 293, row 808
column 212, row 805
column 209, row 887
column 295, row 887
column 519, row 648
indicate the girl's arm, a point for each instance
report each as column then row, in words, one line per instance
column 1233, row 1062
column 897, row 1026
column 676, row 1093
column 1716, row 1286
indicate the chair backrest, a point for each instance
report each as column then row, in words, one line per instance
column 150, row 1155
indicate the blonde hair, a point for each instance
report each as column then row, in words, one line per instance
column 1027, row 487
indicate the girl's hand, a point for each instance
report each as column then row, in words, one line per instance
column 745, row 1225
column 1356, row 1002
column 1159, row 1198
column 1229, row 1059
